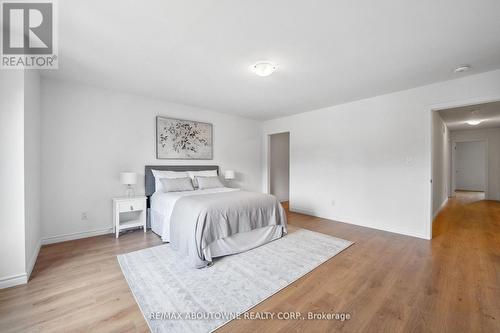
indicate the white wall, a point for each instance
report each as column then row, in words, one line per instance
column 280, row 165
column 90, row 135
column 441, row 163
column 493, row 138
column 369, row 162
column 32, row 166
column 12, row 241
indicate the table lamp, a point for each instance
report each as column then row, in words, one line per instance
column 129, row 179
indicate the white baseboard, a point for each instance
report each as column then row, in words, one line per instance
column 76, row 235
column 14, row 280
column 31, row 263
column 440, row 207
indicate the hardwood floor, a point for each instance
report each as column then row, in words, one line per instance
column 386, row 282
column 77, row 286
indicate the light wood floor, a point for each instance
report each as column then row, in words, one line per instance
column 387, row 282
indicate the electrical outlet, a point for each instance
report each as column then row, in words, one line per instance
column 332, row 202
column 85, row 216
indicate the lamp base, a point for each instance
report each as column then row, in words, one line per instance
column 129, row 192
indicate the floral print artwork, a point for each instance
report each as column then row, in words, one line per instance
column 183, row 139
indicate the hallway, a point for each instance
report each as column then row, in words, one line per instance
column 466, row 256
column 467, row 210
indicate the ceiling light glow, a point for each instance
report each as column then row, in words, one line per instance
column 264, row 68
column 474, row 122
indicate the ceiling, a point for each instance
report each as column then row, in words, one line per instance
column 455, row 119
column 329, row 52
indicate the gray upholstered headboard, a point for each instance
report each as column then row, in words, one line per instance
column 150, row 180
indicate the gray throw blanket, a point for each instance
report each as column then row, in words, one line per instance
column 199, row 220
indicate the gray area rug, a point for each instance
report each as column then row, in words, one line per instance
column 176, row 298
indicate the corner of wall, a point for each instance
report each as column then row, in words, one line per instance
column 32, row 167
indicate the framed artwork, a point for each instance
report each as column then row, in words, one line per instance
column 183, row 139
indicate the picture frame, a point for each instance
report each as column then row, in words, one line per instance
column 180, row 139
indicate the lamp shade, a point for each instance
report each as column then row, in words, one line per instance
column 229, row 174
column 128, row 178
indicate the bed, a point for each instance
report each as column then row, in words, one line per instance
column 209, row 223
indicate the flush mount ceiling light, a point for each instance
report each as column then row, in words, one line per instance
column 463, row 68
column 474, row 121
column 264, row 68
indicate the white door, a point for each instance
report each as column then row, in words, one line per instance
column 470, row 166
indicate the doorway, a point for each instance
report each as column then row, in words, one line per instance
column 279, row 166
column 469, row 167
column 464, row 155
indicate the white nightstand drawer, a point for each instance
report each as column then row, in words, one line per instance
column 131, row 206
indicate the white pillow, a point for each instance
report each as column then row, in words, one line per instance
column 205, row 173
column 177, row 184
column 208, row 182
column 159, row 174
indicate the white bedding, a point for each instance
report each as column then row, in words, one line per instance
column 163, row 203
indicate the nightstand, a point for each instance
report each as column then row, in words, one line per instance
column 129, row 212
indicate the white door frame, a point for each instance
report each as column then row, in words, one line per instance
column 453, row 163
column 443, row 106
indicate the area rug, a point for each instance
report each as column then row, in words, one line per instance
column 176, row 298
